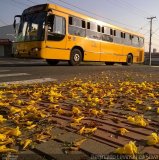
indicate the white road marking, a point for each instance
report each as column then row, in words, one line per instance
column 14, row 74
column 4, row 70
column 155, row 66
column 32, row 81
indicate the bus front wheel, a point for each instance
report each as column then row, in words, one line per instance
column 52, row 62
column 129, row 60
column 75, row 57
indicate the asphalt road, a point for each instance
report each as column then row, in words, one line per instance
column 12, row 69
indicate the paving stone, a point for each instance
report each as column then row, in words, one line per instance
column 29, row 155
column 90, row 146
column 54, row 150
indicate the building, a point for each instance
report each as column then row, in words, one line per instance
column 7, row 37
column 154, row 58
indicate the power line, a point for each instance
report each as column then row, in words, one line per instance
column 20, row 3
column 84, row 10
column 142, row 28
column 139, row 9
column 124, row 5
column 31, row 1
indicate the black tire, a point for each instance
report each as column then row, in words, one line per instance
column 109, row 63
column 129, row 60
column 52, row 62
column 75, row 57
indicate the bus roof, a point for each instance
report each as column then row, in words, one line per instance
column 77, row 14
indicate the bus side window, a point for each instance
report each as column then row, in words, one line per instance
column 98, row 28
column 127, row 39
column 141, row 41
column 77, row 26
column 106, row 34
column 111, row 31
column 114, row 32
column 70, row 20
column 56, row 28
column 135, row 41
column 83, row 24
column 88, row 25
column 102, row 29
column 117, row 36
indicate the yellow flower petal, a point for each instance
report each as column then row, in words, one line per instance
column 8, row 141
column 26, row 143
column 3, row 137
column 76, row 110
column 79, row 142
column 129, row 149
column 84, row 130
column 2, row 119
column 4, row 149
column 15, row 132
column 77, row 120
column 32, row 126
column 15, row 110
column 153, row 139
column 123, row 131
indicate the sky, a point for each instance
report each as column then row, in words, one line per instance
column 130, row 14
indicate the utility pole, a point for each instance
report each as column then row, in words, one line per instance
column 151, row 18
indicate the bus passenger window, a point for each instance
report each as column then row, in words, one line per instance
column 83, row 24
column 70, row 21
column 102, row 29
column 122, row 35
column 114, row 32
column 111, row 31
column 88, row 25
column 78, row 27
column 98, row 28
column 56, row 28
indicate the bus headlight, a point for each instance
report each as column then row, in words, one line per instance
column 35, row 49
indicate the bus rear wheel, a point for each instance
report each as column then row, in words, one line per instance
column 52, row 62
column 75, row 57
column 129, row 60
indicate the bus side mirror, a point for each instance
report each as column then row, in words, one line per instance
column 14, row 24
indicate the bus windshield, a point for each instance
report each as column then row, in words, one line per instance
column 32, row 27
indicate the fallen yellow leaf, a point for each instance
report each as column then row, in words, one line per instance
column 26, row 143
column 85, row 130
column 79, row 142
column 123, row 131
column 77, row 120
column 2, row 119
column 15, row 110
column 153, row 139
column 76, row 110
column 15, row 132
column 4, row 149
column 7, row 141
column 3, row 137
column 138, row 120
column 60, row 111
column 31, row 127
column 129, row 149
column 158, row 110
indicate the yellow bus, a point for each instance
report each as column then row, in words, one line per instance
column 56, row 34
